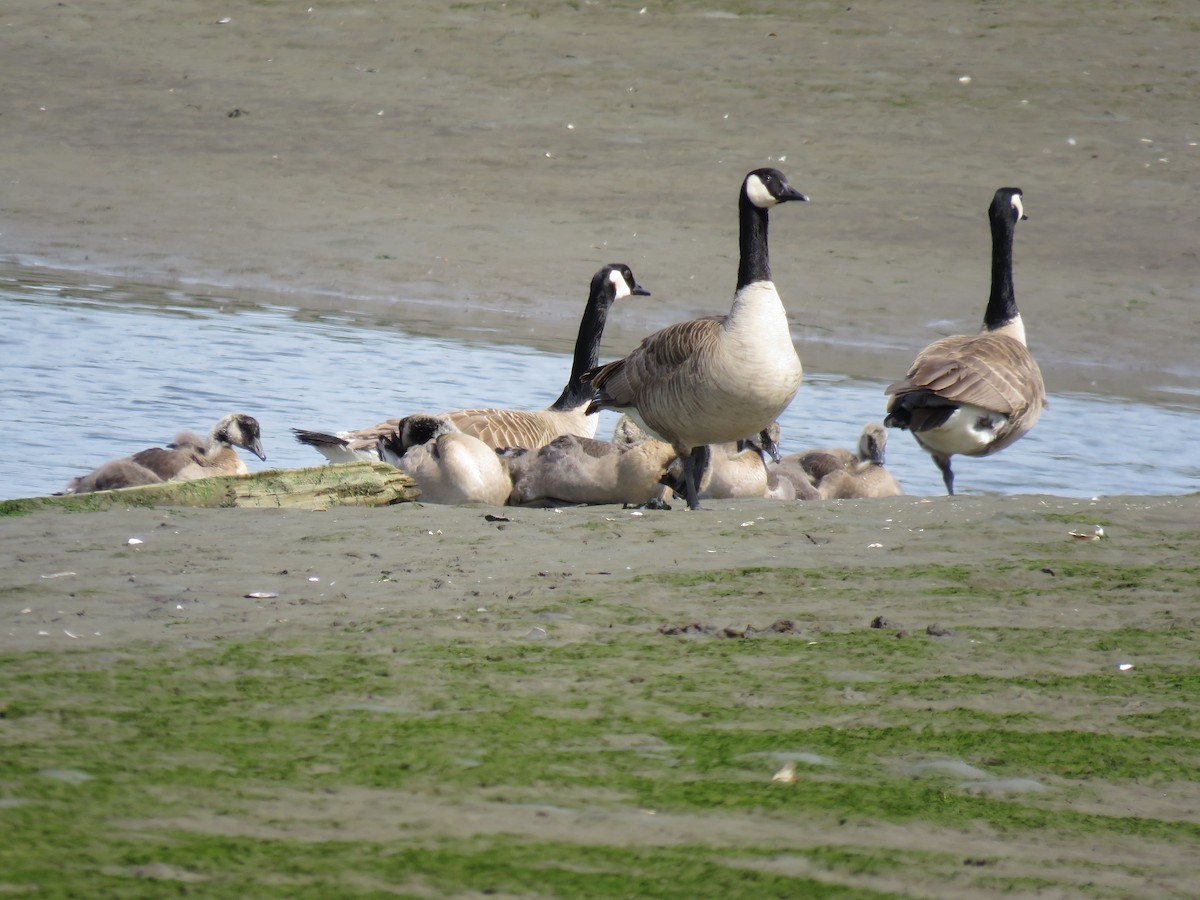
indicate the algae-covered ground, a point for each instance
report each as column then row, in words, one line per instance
column 915, row 698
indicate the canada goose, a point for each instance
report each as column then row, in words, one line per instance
column 448, row 466
column 975, row 394
column 840, row 474
column 864, row 476
column 738, row 470
column 872, row 445
column 791, row 471
column 572, row 469
column 720, row 378
column 116, row 473
column 859, row 481
column 186, row 458
column 500, row 428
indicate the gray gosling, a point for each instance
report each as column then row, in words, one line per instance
column 188, row 458
column 739, row 469
column 572, row 469
column 839, row 474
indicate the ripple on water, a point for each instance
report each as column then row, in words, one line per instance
column 90, row 376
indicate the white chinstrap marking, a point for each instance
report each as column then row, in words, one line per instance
column 623, row 288
column 758, row 194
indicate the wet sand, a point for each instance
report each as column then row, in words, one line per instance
column 478, row 161
column 978, row 626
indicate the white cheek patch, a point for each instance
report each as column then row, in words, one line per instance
column 619, row 282
column 1018, row 206
column 758, row 194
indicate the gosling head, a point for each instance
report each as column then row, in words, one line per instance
column 240, row 430
column 872, row 443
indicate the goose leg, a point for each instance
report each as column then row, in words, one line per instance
column 694, row 464
column 943, row 463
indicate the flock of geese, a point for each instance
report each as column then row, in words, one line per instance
column 699, row 400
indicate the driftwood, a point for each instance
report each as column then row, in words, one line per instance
column 318, row 487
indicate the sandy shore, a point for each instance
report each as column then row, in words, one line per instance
column 443, row 561
column 488, row 156
column 974, row 702
column 479, row 161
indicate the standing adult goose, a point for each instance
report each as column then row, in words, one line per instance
column 719, row 378
column 975, row 394
column 448, row 466
column 187, row 458
column 500, row 428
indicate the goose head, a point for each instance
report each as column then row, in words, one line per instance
column 765, row 188
column 1008, row 206
column 412, row 431
column 872, row 442
column 619, row 278
column 627, row 432
column 765, row 444
column 609, row 284
column 240, row 430
column 421, row 428
column 1006, row 210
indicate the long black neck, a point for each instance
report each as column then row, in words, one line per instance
column 587, row 346
column 754, row 264
column 1002, row 302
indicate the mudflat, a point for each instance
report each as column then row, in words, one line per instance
column 900, row 697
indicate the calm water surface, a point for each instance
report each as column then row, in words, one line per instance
column 90, row 373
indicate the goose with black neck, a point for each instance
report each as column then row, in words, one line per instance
column 719, row 378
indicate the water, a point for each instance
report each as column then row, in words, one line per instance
column 91, row 373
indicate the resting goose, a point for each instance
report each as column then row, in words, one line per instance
column 817, row 464
column 739, row 470
column 572, row 469
column 500, row 428
column 116, row 473
column 861, row 481
column 187, row 458
column 720, row 378
column 448, row 466
column 842, row 475
column 975, row 394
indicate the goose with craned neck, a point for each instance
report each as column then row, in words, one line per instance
column 501, row 428
column 720, row 378
column 975, row 394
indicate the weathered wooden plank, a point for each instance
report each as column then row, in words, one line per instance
column 317, row 487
